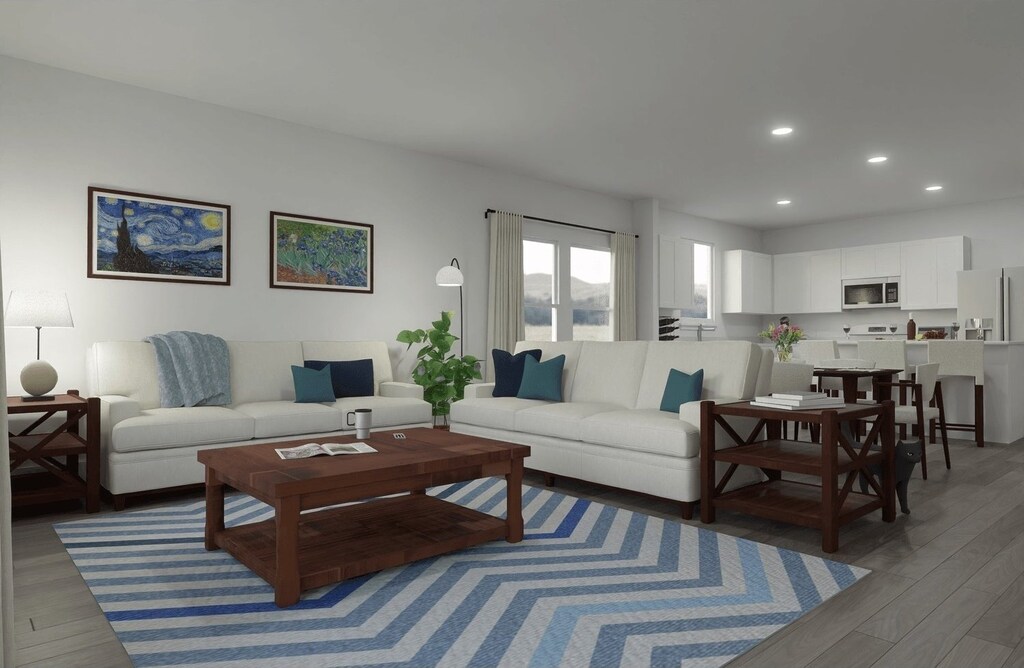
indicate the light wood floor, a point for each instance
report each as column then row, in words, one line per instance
column 947, row 587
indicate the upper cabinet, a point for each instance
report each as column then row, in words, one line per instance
column 871, row 261
column 807, row 282
column 675, row 273
column 746, row 282
column 928, row 276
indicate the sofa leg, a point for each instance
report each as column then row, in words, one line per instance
column 119, row 501
column 549, row 480
column 688, row 508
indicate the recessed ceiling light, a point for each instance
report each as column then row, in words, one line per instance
column 784, row 202
column 782, row 132
column 877, row 159
column 933, row 188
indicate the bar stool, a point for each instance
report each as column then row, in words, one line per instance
column 962, row 358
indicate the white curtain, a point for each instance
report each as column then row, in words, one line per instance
column 505, row 285
column 624, row 286
column 6, row 559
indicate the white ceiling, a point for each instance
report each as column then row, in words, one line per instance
column 671, row 99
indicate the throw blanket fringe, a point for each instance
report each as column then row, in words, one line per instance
column 192, row 369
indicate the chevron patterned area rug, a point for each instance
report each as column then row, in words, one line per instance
column 591, row 585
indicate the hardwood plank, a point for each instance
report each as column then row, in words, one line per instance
column 64, row 645
column 1002, row 570
column 940, row 631
column 1016, row 659
column 856, row 650
column 971, row 651
column 46, row 634
column 1004, row 622
column 108, row 654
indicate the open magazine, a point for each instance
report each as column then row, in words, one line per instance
column 314, row 449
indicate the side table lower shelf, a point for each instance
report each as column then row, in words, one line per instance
column 794, row 502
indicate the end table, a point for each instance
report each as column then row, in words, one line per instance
column 58, row 481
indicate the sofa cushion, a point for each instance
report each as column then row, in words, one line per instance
column 621, row 362
column 349, row 378
column 645, row 430
column 312, row 385
column 508, row 370
column 681, row 388
column 542, row 380
column 285, row 418
column 262, row 370
column 387, row 411
column 493, row 412
column 561, row 420
column 158, row 428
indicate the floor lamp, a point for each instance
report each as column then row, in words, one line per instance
column 450, row 276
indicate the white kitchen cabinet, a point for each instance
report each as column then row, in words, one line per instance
column 928, row 276
column 791, row 283
column 675, row 273
column 826, row 292
column 877, row 261
column 746, row 282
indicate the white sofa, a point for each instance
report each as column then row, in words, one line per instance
column 145, row 447
column 609, row 427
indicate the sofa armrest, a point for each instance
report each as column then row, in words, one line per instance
column 115, row 408
column 395, row 389
column 479, row 391
column 690, row 413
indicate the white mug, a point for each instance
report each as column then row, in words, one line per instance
column 362, row 420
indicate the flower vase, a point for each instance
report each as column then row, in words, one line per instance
column 785, row 353
column 441, row 422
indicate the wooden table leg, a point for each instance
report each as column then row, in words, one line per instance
column 707, row 462
column 92, row 457
column 888, row 481
column 514, row 502
column 829, row 483
column 214, row 508
column 286, row 582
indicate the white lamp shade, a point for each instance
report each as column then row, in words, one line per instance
column 38, row 308
column 449, row 276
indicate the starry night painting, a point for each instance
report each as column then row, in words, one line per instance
column 309, row 253
column 150, row 238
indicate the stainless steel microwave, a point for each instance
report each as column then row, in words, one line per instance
column 871, row 292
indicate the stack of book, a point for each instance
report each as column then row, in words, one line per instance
column 798, row 401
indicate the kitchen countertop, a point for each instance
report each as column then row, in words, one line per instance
column 853, row 342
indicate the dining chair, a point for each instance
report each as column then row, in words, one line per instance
column 791, row 377
column 885, row 355
column 820, row 350
column 963, row 358
column 919, row 412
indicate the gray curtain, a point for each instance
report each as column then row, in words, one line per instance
column 624, row 286
column 6, row 559
column 505, row 285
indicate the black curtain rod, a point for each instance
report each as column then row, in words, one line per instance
column 559, row 222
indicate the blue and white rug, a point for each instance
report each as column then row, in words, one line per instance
column 591, row 585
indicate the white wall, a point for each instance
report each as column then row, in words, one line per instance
column 61, row 132
column 995, row 230
column 724, row 237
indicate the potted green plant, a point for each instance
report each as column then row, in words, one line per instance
column 444, row 376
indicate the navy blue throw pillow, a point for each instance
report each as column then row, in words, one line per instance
column 353, row 378
column 508, row 370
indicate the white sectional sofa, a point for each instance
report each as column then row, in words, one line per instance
column 609, row 427
column 146, row 447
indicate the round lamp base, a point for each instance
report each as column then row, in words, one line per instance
column 38, row 378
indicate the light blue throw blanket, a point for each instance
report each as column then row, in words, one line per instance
column 192, row 369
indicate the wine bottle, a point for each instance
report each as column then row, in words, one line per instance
column 911, row 328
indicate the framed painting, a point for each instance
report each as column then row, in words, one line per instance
column 309, row 253
column 140, row 237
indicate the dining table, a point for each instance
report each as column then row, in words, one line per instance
column 851, row 377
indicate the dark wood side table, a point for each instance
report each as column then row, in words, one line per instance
column 827, row 506
column 59, row 480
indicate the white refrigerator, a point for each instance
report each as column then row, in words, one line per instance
column 996, row 295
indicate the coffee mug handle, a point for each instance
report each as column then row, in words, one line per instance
column 350, row 419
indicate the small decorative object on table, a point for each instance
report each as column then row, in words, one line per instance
column 783, row 336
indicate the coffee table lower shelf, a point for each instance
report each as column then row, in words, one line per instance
column 794, row 502
column 341, row 543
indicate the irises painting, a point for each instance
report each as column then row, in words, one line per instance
column 320, row 254
column 152, row 238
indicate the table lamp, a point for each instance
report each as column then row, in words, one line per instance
column 38, row 308
column 450, row 276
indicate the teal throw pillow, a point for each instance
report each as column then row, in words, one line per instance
column 681, row 388
column 542, row 380
column 312, row 385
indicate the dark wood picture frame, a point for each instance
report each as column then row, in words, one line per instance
column 313, row 253
column 174, row 240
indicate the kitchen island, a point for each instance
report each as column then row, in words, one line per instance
column 1004, row 388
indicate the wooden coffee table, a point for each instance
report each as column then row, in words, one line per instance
column 295, row 552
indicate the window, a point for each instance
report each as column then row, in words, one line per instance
column 539, row 290
column 566, row 292
column 701, row 308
